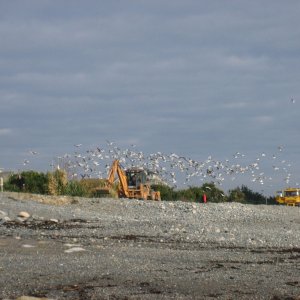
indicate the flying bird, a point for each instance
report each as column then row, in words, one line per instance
column 33, row 152
column 109, row 143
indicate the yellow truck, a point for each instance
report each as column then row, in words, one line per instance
column 289, row 196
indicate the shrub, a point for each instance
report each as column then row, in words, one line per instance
column 57, row 182
column 166, row 192
column 236, row 195
column 28, row 182
column 74, row 188
column 90, row 185
column 213, row 193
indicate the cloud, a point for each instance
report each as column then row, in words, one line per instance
column 5, row 131
column 250, row 63
column 264, row 119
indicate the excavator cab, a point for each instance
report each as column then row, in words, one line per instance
column 135, row 177
column 137, row 185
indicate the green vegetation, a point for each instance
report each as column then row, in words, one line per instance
column 57, row 183
column 28, row 182
column 192, row 193
column 248, row 196
column 75, row 188
column 195, row 194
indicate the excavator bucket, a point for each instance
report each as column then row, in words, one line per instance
column 102, row 192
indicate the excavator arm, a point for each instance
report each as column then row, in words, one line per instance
column 123, row 181
column 112, row 172
column 116, row 169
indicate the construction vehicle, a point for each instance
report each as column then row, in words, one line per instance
column 132, row 184
column 289, row 196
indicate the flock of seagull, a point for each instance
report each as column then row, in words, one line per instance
column 172, row 169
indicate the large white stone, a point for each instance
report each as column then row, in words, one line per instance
column 32, row 298
column 74, row 249
column 24, row 214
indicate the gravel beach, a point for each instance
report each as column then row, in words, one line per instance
column 77, row 248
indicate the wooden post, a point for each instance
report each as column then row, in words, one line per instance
column 1, row 183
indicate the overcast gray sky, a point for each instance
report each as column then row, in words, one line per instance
column 191, row 77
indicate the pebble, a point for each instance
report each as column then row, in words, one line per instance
column 74, row 249
column 23, row 214
column 3, row 216
column 27, row 246
column 32, row 298
column 72, row 245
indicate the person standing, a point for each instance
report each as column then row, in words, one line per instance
column 204, row 198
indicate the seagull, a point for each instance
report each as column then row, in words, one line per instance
column 78, row 145
column 109, row 143
column 100, row 150
column 33, row 152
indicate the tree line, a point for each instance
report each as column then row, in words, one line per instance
column 57, row 183
column 213, row 194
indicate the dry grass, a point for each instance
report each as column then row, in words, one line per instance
column 46, row 199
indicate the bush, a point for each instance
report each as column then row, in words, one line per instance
column 74, row 188
column 27, row 182
column 236, row 195
column 90, row 185
column 166, row 192
column 256, row 198
column 186, row 195
column 57, row 182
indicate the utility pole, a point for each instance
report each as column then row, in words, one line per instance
column 1, row 184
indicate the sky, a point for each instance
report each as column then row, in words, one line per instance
column 196, row 78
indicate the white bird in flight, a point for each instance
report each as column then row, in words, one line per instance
column 33, row 152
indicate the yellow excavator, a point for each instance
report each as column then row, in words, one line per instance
column 289, row 196
column 132, row 183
